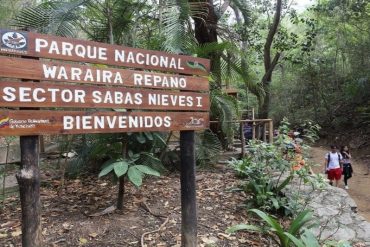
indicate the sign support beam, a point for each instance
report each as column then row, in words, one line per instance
column 29, row 191
column 188, row 193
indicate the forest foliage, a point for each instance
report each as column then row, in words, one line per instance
column 304, row 65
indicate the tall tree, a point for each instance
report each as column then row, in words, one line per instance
column 270, row 64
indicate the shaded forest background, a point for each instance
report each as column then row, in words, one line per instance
column 304, row 65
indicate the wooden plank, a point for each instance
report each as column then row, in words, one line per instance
column 29, row 94
column 22, row 123
column 47, row 46
column 13, row 67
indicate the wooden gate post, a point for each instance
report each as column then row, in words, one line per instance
column 29, row 191
column 271, row 131
column 188, row 193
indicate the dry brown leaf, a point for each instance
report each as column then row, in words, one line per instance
column 17, row 233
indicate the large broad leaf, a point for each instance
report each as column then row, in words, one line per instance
column 147, row 170
column 108, row 167
column 120, row 168
column 243, row 227
column 135, row 176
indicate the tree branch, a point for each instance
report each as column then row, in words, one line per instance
column 270, row 36
column 224, row 7
column 267, row 77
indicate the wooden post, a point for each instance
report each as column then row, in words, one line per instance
column 254, row 126
column 29, row 191
column 264, row 132
column 242, row 139
column 188, row 193
column 42, row 144
column 271, row 131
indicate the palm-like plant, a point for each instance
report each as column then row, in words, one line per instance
column 51, row 17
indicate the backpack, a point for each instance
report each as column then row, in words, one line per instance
column 339, row 159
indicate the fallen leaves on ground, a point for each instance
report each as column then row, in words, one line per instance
column 67, row 221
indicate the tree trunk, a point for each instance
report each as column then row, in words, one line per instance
column 206, row 32
column 268, row 64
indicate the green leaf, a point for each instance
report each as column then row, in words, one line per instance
column 140, row 138
column 120, row 168
column 295, row 240
column 243, row 227
column 283, row 184
column 149, row 136
column 300, row 221
column 107, row 169
column 276, row 227
column 309, row 239
column 135, row 176
column 147, row 170
column 275, row 203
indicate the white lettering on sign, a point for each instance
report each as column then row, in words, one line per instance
column 111, row 122
column 148, row 59
column 69, row 49
column 159, row 81
column 63, row 48
column 170, row 99
column 117, row 97
column 77, row 74
column 26, row 94
column 112, row 96
column 26, row 123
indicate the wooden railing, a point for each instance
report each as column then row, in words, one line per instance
column 262, row 129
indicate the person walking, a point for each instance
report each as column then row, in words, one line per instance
column 333, row 165
column 347, row 167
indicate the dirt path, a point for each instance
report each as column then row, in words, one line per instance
column 359, row 184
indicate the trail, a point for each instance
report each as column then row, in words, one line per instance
column 359, row 184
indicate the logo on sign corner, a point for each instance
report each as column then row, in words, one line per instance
column 196, row 65
column 4, row 122
column 195, row 122
column 14, row 41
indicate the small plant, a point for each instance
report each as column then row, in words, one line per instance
column 263, row 163
column 131, row 167
column 298, row 232
column 3, row 172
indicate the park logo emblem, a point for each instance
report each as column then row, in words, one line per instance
column 196, row 65
column 195, row 122
column 4, row 122
column 15, row 42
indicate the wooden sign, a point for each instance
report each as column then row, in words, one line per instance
column 30, row 94
column 46, row 46
column 63, row 72
column 22, row 123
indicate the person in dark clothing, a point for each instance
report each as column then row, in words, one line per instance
column 347, row 167
column 248, row 131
